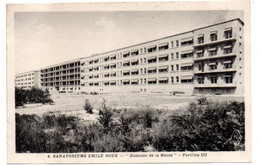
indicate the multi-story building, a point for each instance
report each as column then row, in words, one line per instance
column 206, row 60
column 63, row 77
column 28, row 80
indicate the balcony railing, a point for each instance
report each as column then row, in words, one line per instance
column 220, row 54
column 224, row 38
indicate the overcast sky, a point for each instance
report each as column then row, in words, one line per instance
column 46, row 38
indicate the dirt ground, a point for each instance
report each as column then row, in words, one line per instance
column 72, row 104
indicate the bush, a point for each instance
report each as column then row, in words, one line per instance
column 202, row 101
column 216, row 126
column 210, row 128
column 105, row 116
column 33, row 95
column 88, row 107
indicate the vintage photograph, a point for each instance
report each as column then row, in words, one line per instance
column 129, row 82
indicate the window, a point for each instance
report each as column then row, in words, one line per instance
column 163, row 58
column 96, row 61
column 163, row 80
column 152, row 60
column 126, row 73
column 113, row 74
column 163, row 46
column 126, row 82
column 213, row 79
column 134, row 62
column 135, row 72
column 228, row 33
column 228, row 78
column 152, row 49
column 227, row 64
column 90, row 70
column 213, row 51
column 172, row 79
column 152, row 81
column 113, row 83
column 177, row 43
column 201, row 80
column 213, row 36
column 113, row 57
column 125, row 64
column 152, row 70
column 106, row 59
column 96, row 68
column 228, row 48
column 186, row 81
column 200, row 53
column 163, row 69
column 187, row 41
column 172, row 44
column 96, row 83
column 134, row 53
column 213, row 67
column 127, row 54
column 172, row 56
column 201, row 39
column 201, row 66
column 177, row 79
column 106, row 67
column 172, row 67
column 187, row 55
column 186, row 68
column 134, row 82
column 106, row 75
column 177, row 55
column 177, row 66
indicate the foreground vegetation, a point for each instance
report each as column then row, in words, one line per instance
column 203, row 126
column 33, row 95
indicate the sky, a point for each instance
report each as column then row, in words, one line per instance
column 47, row 38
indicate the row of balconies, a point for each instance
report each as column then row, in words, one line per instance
column 154, row 60
column 207, row 56
column 58, row 75
column 220, row 82
column 200, row 42
column 219, row 39
column 60, row 69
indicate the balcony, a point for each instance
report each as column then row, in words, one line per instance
column 218, row 85
column 220, row 69
column 218, row 55
column 224, row 38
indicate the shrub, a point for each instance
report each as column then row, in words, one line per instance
column 216, row 126
column 33, row 95
column 202, row 101
column 20, row 96
column 88, row 107
column 105, row 116
column 209, row 128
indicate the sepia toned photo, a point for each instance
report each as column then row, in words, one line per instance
column 116, row 83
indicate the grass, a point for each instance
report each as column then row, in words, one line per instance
column 203, row 126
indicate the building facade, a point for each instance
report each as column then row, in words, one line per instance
column 208, row 60
column 28, row 80
column 63, row 77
